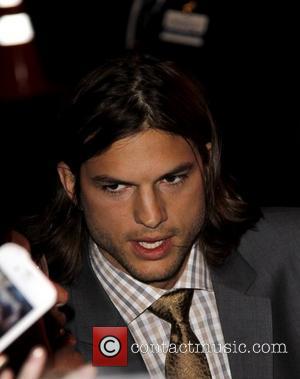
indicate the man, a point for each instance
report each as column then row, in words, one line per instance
column 142, row 210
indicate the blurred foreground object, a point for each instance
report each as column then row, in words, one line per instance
column 28, row 105
column 179, row 22
column 21, row 74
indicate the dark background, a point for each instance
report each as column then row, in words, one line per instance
column 247, row 67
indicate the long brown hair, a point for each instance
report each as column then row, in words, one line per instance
column 113, row 102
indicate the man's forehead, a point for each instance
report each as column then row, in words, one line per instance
column 149, row 151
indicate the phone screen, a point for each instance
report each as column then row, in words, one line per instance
column 13, row 305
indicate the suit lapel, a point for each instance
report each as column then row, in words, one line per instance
column 246, row 320
column 96, row 309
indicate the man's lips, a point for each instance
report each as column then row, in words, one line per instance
column 152, row 248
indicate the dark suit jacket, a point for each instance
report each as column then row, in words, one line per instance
column 257, row 292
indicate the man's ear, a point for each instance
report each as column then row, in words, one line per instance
column 67, row 179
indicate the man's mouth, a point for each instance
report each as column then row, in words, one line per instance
column 152, row 249
column 150, row 245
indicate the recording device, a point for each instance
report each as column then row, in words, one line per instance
column 25, row 293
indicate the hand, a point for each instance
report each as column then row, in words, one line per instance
column 60, row 343
column 32, row 368
column 49, row 331
column 55, row 335
column 55, row 321
column 35, row 365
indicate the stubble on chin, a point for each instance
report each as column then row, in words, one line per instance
column 120, row 259
column 143, row 274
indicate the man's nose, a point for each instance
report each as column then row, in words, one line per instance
column 149, row 209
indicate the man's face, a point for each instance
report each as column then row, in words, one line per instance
column 143, row 201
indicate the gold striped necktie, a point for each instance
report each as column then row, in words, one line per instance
column 184, row 358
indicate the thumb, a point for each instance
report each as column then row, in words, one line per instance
column 34, row 364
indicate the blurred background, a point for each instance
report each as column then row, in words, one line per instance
column 243, row 52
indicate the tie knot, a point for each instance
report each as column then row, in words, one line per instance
column 174, row 307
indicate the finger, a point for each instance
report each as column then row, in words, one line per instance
column 67, row 359
column 7, row 374
column 34, row 364
column 68, row 339
column 86, row 372
column 3, row 361
column 62, row 294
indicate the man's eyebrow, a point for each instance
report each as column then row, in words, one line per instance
column 182, row 168
column 108, row 180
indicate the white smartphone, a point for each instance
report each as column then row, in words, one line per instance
column 25, row 293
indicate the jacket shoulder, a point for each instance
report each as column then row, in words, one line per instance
column 275, row 239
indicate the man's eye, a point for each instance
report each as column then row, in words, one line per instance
column 114, row 188
column 175, row 179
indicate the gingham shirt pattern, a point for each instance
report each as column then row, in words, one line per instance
column 132, row 298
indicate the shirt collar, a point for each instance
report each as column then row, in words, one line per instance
column 132, row 297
